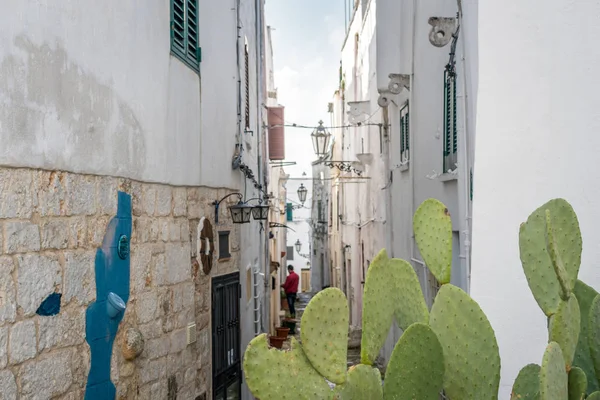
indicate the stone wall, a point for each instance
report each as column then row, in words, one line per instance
column 50, row 226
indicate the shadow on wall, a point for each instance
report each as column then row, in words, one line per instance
column 55, row 114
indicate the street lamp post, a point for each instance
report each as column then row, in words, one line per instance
column 302, row 191
column 320, row 138
column 298, row 246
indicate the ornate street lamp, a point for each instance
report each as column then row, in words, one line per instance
column 260, row 212
column 320, row 138
column 298, row 246
column 302, row 191
column 240, row 213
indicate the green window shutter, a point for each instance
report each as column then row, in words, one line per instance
column 450, row 121
column 290, row 212
column 184, row 32
column 404, row 133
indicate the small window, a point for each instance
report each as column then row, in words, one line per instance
column 184, row 32
column 404, row 135
column 319, row 211
column 450, row 129
column 247, row 78
column 290, row 253
column 224, row 245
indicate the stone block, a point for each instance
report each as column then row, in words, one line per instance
column 189, row 376
column 149, row 199
column 156, row 348
column 154, row 391
column 55, row 233
column 106, row 195
column 38, row 277
column 78, row 232
column 16, row 197
column 22, row 344
column 151, row 330
column 178, row 320
column 80, row 364
column 3, row 347
column 159, row 269
column 185, row 230
column 8, row 294
column 179, row 202
column 164, row 229
column 21, row 237
column 8, row 385
column 127, row 369
column 152, row 370
column 141, row 277
column 49, row 193
column 62, row 330
column 164, row 200
column 174, row 231
column 188, row 289
column 202, row 321
column 178, row 265
column 81, row 193
column 96, row 229
column 146, row 306
column 48, row 377
column 80, row 281
column 137, row 208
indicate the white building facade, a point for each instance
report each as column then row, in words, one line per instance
column 100, row 97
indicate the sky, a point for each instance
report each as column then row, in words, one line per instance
column 307, row 40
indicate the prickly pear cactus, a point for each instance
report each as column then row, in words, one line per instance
column 583, row 358
column 594, row 334
column 391, row 287
column 363, row 382
column 594, row 396
column 577, row 384
column 274, row 374
column 553, row 376
column 324, row 334
column 564, row 328
column 471, row 356
column 527, row 384
column 416, row 367
column 433, row 233
column 535, row 255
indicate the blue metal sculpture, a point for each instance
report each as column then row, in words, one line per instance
column 102, row 318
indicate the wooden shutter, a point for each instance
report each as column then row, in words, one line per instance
column 178, row 31
column 247, row 77
column 290, row 212
column 276, row 133
column 192, row 31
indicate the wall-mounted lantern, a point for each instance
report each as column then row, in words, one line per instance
column 240, row 213
column 298, row 246
column 259, row 212
column 320, row 138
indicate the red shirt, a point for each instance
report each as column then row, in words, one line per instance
column 291, row 283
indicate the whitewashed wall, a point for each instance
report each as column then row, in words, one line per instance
column 537, row 138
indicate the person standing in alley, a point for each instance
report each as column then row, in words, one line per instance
column 291, row 288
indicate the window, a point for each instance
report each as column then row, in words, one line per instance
column 247, row 77
column 290, row 253
column 404, row 134
column 450, row 131
column 184, row 32
column 319, row 211
column 224, row 245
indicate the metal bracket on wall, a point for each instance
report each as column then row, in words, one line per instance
column 442, row 29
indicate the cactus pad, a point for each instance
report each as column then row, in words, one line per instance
column 564, row 328
column 553, row 375
column 324, row 334
column 471, row 357
column 410, row 307
column 537, row 264
column 363, row 382
column 594, row 334
column 274, row 374
column 433, row 233
column 577, row 384
column 527, row 384
column 416, row 367
column 565, row 284
column 594, row 396
column 583, row 358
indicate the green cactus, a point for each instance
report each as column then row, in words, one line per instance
column 471, row 356
column 276, row 375
column 324, row 334
column 565, row 284
column 416, row 367
column 594, row 396
column 535, row 256
column 410, row 307
column 577, row 384
column 554, row 383
column 433, row 233
column 527, row 384
column 364, row 382
column 594, row 334
column 583, row 358
column 564, row 328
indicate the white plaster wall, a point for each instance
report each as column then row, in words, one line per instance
column 533, row 144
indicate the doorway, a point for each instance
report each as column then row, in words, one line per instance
column 226, row 294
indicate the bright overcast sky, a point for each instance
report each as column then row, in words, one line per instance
column 307, row 38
